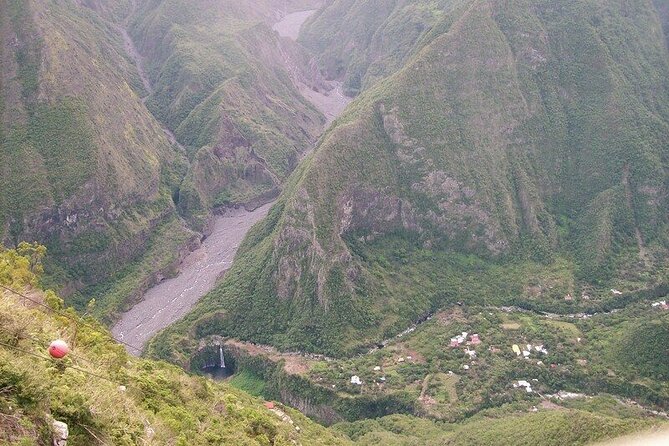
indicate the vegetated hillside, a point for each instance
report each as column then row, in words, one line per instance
column 519, row 157
column 573, row 427
column 158, row 404
column 362, row 42
column 663, row 9
column 84, row 167
column 223, row 82
column 87, row 168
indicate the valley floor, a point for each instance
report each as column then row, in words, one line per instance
column 171, row 299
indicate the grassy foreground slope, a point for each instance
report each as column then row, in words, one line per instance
column 159, row 404
column 520, row 157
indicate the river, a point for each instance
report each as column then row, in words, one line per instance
column 332, row 101
column 172, row 299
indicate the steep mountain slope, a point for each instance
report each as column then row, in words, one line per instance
column 520, row 156
column 663, row 9
column 85, row 168
column 362, row 42
column 222, row 84
column 89, row 170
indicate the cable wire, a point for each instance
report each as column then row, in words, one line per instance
column 77, row 321
column 26, row 352
column 40, row 342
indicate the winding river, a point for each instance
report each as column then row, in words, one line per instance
column 172, row 299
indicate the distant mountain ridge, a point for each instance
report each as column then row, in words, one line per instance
column 90, row 183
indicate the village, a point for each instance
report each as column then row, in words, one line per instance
column 463, row 356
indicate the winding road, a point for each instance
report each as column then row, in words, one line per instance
column 172, row 299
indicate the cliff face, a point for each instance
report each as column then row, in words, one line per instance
column 85, row 167
column 520, row 132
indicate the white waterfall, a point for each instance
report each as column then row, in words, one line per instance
column 220, row 351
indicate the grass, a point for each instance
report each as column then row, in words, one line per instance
column 183, row 409
column 248, row 382
column 179, row 409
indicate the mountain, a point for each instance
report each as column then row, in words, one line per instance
column 91, row 184
column 126, row 125
column 221, row 83
column 518, row 157
column 365, row 41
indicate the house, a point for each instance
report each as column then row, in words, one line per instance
column 471, row 353
column 516, row 349
column 459, row 339
column 269, row 405
column 662, row 304
column 525, row 384
column 568, row 298
column 616, row 292
column 475, row 339
column 355, row 379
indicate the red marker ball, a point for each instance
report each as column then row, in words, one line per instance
column 58, row 349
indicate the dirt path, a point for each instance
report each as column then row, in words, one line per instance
column 171, row 299
column 136, row 58
column 131, row 51
column 643, row 253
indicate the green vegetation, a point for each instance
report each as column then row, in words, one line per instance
column 546, row 428
column 248, row 382
column 365, row 41
column 159, row 404
column 222, row 85
column 490, row 168
column 86, row 169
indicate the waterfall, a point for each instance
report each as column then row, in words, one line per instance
column 220, row 351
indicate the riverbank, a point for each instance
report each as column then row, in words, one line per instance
column 171, row 299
